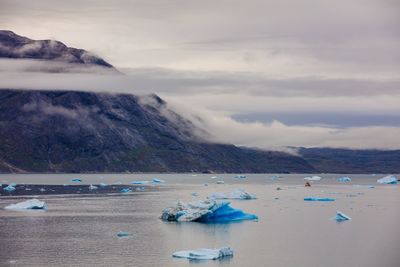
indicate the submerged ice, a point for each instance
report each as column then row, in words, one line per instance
column 204, row 253
column 236, row 194
column 206, row 211
column 32, row 204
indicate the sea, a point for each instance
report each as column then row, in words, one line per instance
column 80, row 228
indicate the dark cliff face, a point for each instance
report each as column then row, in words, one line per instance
column 67, row 131
column 19, row 47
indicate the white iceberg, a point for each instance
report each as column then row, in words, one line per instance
column 220, row 182
column 103, row 184
column 204, row 253
column 344, row 179
column 158, row 181
column 92, row 187
column 9, row 188
column 340, row 217
column 206, row 211
column 236, row 194
column 32, row 204
column 313, row 178
column 390, row 179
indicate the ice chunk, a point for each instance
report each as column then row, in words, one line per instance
column 390, row 179
column 103, row 184
column 158, row 181
column 92, row 187
column 240, row 177
column 140, row 182
column 9, row 188
column 204, row 253
column 32, row 204
column 274, row 177
column 76, row 180
column 126, row 190
column 318, row 199
column 13, row 184
column 214, row 177
column 220, row 182
column 340, row 216
column 122, row 234
column 195, row 194
column 344, row 179
column 313, row 178
column 236, row 194
column 206, row 211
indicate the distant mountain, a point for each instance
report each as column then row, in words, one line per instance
column 331, row 160
column 14, row 46
column 69, row 131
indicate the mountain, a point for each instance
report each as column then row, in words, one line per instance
column 331, row 160
column 69, row 131
column 14, row 46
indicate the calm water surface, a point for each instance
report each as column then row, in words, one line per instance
column 81, row 230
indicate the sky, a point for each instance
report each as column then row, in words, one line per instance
column 259, row 73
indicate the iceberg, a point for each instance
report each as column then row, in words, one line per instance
column 314, row 178
column 220, row 182
column 274, row 177
column 92, row 187
column 318, row 199
column 205, row 211
column 32, row 204
column 76, row 180
column 204, row 253
column 140, row 182
column 126, row 190
column 240, row 177
column 103, row 184
column 158, row 181
column 236, row 194
column 344, row 179
column 390, row 179
column 9, row 188
column 122, row 234
column 340, row 217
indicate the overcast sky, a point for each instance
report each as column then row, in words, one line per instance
column 260, row 72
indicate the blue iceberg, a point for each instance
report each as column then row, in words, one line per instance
column 390, row 179
column 9, row 188
column 204, row 253
column 206, row 211
column 140, row 182
column 76, row 180
column 340, row 217
column 122, row 234
column 240, row 177
column 158, row 181
column 318, row 199
column 344, row 179
column 126, row 190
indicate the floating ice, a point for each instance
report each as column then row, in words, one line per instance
column 32, row 204
column 103, row 184
column 240, row 177
column 92, row 187
column 76, row 180
column 195, row 194
column 318, row 199
column 314, row 178
column 206, row 211
column 214, row 177
column 140, row 182
column 344, row 179
column 158, row 181
column 390, row 179
column 220, row 182
column 13, row 184
column 236, row 194
column 340, row 216
column 9, row 188
column 126, row 190
column 122, row 234
column 204, row 253
column 274, row 177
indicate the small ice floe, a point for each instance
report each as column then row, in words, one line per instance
column 274, row 177
column 122, row 234
column 126, row 190
column 158, row 181
column 77, row 180
column 214, row 177
column 140, row 182
column 205, row 211
column 32, row 204
column 204, row 253
column 344, row 179
column 220, row 182
column 236, row 194
column 140, row 188
column 318, row 199
column 42, row 189
column 103, row 184
column 9, row 188
column 313, row 178
column 92, row 187
column 390, row 179
column 240, row 177
column 340, row 217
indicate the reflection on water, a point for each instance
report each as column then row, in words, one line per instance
column 82, row 231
